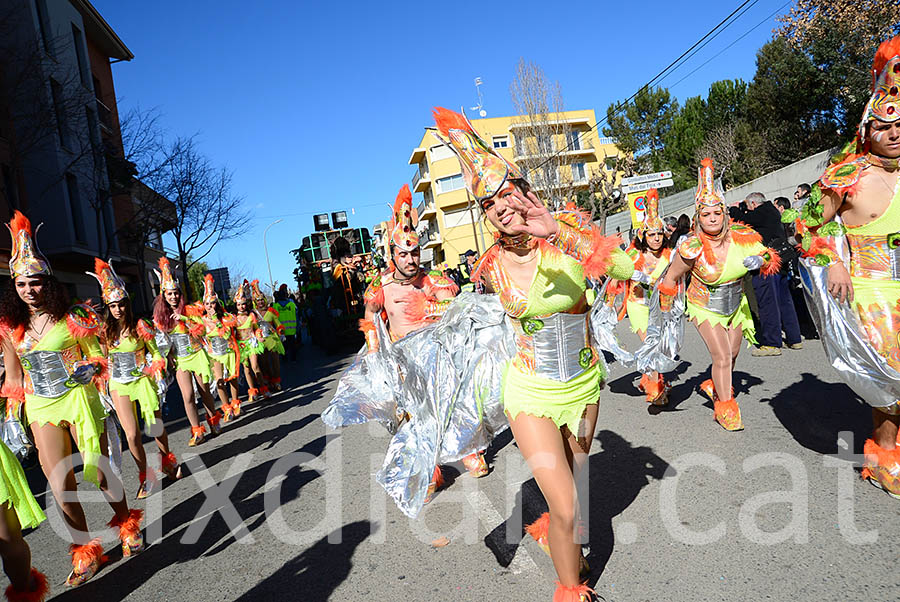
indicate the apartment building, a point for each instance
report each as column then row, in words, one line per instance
column 450, row 223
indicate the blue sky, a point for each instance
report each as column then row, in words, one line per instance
column 315, row 106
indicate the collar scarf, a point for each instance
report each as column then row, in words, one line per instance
column 707, row 239
column 883, row 162
column 522, row 240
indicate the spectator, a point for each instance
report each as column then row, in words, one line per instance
column 288, row 316
column 773, row 296
column 671, row 223
column 807, row 326
column 682, row 231
column 801, row 195
column 466, row 270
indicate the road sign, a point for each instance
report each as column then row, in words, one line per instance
column 648, row 185
column 660, row 175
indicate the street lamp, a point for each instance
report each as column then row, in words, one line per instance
column 271, row 282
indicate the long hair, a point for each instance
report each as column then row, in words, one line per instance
column 162, row 311
column 640, row 243
column 220, row 309
column 14, row 312
column 113, row 329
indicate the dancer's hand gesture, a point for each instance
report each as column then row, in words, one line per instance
column 538, row 220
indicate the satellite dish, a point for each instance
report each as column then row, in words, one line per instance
column 483, row 113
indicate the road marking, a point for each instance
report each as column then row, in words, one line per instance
column 522, row 562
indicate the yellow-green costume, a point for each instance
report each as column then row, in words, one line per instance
column 15, row 492
column 251, row 345
column 74, row 338
column 195, row 359
column 558, row 287
column 708, row 275
column 222, row 329
column 638, row 295
column 142, row 390
column 272, row 342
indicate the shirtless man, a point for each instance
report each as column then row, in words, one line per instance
column 864, row 191
column 407, row 298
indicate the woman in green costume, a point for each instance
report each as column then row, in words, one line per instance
column 718, row 255
column 249, row 340
column 134, row 366
column 538, row 267
column 173, row 318
column 222, row 349
column 52, row 355
column 271, row 329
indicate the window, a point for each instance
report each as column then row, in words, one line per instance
column 450, row 183
column 83, row 70
column 154, row 240
column 108, row 220
column 75, row 207
column 578, row 172
column 501, row 141
column 439, row 152
column 40, row 7
column 93, row 128
column 545, row 144
column 573, row 140
column 459, row 217
column 62, row 121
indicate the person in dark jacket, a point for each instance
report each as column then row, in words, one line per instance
column 773, row 296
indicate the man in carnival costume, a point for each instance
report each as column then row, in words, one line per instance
column 401, row 302
column 851, row 273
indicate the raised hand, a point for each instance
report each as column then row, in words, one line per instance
column 538, row 220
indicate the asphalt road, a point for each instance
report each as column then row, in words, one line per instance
column 280, row 507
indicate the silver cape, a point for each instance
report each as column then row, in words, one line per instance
column 846, row 345
column 665, row 333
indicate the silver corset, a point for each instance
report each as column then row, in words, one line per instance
column 125, row 366
column 266, row 328
column 181, row 343
column 561, row 343
column 163, row 343
column 218, row 346
column 48, row 373
column 726, row 298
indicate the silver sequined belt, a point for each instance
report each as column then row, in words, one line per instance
column 218, row 346
column 266, row 328
column 48, row 373
column 181, row 342
column 561, row 344
column 723, row 299
column 126, row 366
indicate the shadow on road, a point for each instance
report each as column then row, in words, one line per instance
column 616, row 476
column 814, row 412
column 317, row 571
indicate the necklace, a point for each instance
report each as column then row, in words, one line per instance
column 524, row 259
column 886, row 163
column 40, row 332
column 517, row 241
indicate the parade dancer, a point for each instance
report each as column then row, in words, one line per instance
column 272, row 331
column 650, row 253
column 51, row 355
column 718, row 255
column 174, row 318
column 134, row 365
column 249, row 340
column 222, row 349
column 852, row 274
column 538, row 266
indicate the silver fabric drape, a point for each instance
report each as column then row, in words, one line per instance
column 665, row 333
column 604, row 319
column 846, row 345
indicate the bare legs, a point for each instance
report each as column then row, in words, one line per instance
column 885, row 427
column 126, row 411
column 15, row 552
column 187, row 394
column 556, row 460
column 54, row 446
column 724, row 345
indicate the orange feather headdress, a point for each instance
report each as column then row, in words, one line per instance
column 25, row 257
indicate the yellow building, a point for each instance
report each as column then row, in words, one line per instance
column 449, row 224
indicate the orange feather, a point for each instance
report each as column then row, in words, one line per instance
column 445, row 120
column 888, row 50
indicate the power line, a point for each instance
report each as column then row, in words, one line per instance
column 302, row 213
column 671, row 67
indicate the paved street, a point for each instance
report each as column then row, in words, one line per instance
column 679, row 508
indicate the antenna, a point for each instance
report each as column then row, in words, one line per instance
column 480, row 106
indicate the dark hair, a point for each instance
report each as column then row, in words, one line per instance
column 806, row 188
column 220, row 309
column 640, row 242
column 54, row 296
column 162, row 311
column 113, row 329
column 682, row 227
column 782, row 202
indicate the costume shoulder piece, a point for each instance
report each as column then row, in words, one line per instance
column 691, row 247
column 483, row 268
column 842, row 177
column 435, row 281
column 145, row 330
column 82, row 321
column 743, row 234
column 374, row 295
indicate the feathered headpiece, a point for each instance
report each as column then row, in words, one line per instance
column 885, row 102
column 707, row 193
column 112, row 288
column 404, row 222
column 259, row 299
column 209, row 289
column 243, row 292
column 652, row 221
column 167, row 280
column 25, row 257
column 484, row 171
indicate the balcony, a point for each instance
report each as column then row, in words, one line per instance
column 105, row 114
column 421, row 180
column 569, row 121
column 431, row 239
column 417, row 155
column 426, row 210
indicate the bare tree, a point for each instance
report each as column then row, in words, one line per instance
column 206, row 211
column 605, row 196
column 542, row 134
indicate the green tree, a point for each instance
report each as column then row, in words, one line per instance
column 195, row 275
column 641, row 126
column 725, row 103
column 686, row 136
